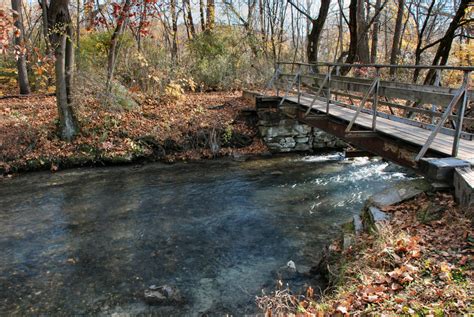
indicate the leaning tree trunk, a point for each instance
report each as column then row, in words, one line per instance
column 419, row 49
column 442, row 53
column 60, row 32
column 114, row 41
column 189, row 18
column 315, row 34
column 23, row 82
column 352, row 53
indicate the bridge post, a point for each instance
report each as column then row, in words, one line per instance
column 328, row 89
column 375, row 103
column 460, row 113
column 299, row 83
column 277, row 73
column 436, row 83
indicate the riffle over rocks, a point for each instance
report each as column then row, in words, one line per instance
column 281, row 133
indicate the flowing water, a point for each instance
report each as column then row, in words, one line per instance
column 91, row 241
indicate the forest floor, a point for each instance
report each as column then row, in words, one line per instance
column 191, row 126
column 420, row 263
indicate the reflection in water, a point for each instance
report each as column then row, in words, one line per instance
column 91, row 241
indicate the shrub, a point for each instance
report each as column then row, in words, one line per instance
column 217, row 57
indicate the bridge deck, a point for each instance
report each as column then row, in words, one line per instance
column 443, row 143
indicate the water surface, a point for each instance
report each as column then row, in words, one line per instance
column 90, row 241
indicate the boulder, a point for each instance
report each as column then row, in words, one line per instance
column 402, row 191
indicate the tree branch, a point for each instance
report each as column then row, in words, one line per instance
column 341, row 9
column 303, row 12
column 375, row 15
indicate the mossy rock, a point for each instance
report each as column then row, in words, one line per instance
column 123, row 97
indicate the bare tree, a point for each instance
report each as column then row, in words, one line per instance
column 247, row 22
column 445, row 43
column 420, row 33
column 317, row 25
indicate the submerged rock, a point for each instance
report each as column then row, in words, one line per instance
column 287, row 272
column 163, row 295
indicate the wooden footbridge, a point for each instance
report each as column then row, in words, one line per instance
column 381, row 113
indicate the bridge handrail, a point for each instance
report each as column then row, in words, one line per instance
column 441, row 67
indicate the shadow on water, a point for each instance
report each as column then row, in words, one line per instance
column 91, row 241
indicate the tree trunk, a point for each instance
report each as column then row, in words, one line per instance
column 113, row 47
column 174, row 29
column 201, row 15
column 395, row 52
column 189, row 18
column 362, row 33
column 316, row 30
column 78, row 31
column 143, row 16
column 442, row 53
column 375, row 34
column 44, row 16
column 23, row 82
column 352, row 53
column 211, row 15
column 60, row 31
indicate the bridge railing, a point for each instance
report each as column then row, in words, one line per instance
column 378, row 90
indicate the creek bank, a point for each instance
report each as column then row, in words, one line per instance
column 407, row 254
column 149, row 132
column 188, row 130
column 370, row 219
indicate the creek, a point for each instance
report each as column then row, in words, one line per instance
column 91, row 241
